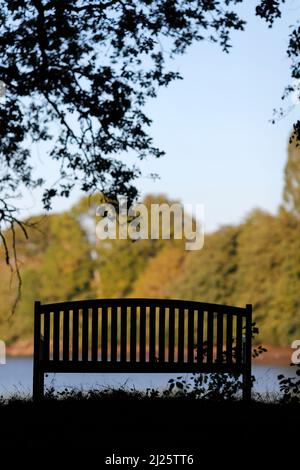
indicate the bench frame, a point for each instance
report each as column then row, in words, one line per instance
column 52, row 351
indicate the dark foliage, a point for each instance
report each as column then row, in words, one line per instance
column 214, row 387
column 77, row 74
column 290, row 386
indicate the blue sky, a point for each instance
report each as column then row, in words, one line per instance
column 221, row 149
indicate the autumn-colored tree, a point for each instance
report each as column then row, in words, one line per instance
column 210, row 274
column 55, row 264
column 161, row 273
column 121, row 262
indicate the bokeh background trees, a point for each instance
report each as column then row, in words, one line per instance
column 256, row 261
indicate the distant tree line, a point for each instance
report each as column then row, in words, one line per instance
column 257, row 261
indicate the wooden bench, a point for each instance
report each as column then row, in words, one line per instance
column 141, row 335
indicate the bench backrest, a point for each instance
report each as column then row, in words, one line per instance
column 142, row 335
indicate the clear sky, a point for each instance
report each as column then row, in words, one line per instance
column 221, row 149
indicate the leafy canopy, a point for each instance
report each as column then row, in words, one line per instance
column 77, row 75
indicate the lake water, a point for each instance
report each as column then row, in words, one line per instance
column 16, row 377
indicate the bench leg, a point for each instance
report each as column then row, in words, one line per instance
column 38, row 384
column 247, row 385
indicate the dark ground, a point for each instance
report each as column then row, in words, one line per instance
column 88, row 431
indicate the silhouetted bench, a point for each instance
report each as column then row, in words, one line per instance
column 141, row 335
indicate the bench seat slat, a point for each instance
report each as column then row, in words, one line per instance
column 75, row 339
column 46, row 352
column 229, row 338
column 85, row 334
column 138, row 367
column 133, row 334
column 66, row 334
column 200, row 336
column 181, row 334
column 171, row 334
column 114, row 334
column 152, row 334
column 162, row 333
column 239, row 336
column 191, row 317
column 95, row 333
column 219, row 337
column 210, row 336
column 104, row 326
column 142, row 352
column 123, row 338
column 56, row 335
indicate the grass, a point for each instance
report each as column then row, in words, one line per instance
column 97, row 423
